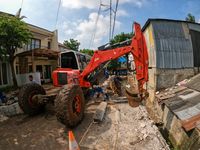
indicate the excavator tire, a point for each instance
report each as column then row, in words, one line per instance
column 69, row 105
column 25, row 98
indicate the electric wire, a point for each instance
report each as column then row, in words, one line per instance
column 22, row 3
column 57, row 13
column 113, row 29
column 95, row 26
column 110, row 32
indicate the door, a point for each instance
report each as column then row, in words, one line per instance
column 39, row 69
column 47, row 72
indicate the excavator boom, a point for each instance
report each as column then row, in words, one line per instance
column 137, row 48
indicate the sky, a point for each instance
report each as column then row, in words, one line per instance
column 76, row 18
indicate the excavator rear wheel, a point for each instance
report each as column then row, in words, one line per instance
column 25, row 97
column 69, row 105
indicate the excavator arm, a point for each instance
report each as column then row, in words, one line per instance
column 137, row 48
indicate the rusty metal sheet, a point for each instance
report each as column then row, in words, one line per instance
column 191, row 123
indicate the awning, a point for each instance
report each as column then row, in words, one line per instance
column 40, row 53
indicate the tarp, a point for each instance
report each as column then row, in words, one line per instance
column 122, row 60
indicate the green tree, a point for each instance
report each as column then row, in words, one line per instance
column 190, row 18
column 121, row 37
column 87, row 51
column 13, row 35
column 72, row 44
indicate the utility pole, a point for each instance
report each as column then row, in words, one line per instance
column 110, row 31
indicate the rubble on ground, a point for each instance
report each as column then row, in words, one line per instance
column 122, row 127
column 3, row 118
column 11, row 110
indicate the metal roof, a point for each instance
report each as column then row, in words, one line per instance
column 169, row 20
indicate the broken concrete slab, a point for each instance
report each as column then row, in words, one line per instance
column 100, row 111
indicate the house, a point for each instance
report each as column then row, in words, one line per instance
column 62, row 47
column 40, row 55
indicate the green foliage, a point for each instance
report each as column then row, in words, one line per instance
column 14, row 34
column 87, row 51
column 190, row 18
column 121, row 37
column 72, row 44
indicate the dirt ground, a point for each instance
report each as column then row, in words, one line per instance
column 123, row 128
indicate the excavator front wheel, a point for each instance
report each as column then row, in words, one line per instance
column 69, row 105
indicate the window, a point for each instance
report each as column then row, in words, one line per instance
column 0, row 75
column 49, row 45
column 35, row 43
column 47, row 73
column 17, row 69
column 82, row 61
column 3, row 74
column 30, row 68
column 4, row 70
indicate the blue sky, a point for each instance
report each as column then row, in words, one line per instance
column 77, row 17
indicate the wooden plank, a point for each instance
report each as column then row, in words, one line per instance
column 190, row 95
column 100, row 111
column 165, row 96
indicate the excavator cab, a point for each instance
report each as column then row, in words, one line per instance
column 71, row 64
column 74, row 60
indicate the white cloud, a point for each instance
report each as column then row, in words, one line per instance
column 77, row 4
column 199, row 21
column 10, row 7
column 121, row 12
column 84, row 29
column 92, row 4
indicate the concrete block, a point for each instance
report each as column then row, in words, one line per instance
column 11, row 110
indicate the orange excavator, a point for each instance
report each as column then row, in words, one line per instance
column 73, row 83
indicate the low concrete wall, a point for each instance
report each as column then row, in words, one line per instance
column 169, row 77
column 162, row 79
column 24, row 78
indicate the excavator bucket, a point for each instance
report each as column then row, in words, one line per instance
column 132, row 91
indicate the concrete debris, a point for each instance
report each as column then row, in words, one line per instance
column 100, row 111
column 11, row 110
column 157, row 92
column 142, row 125
column 128, row 128
column 3, row 118
column 182, row 83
